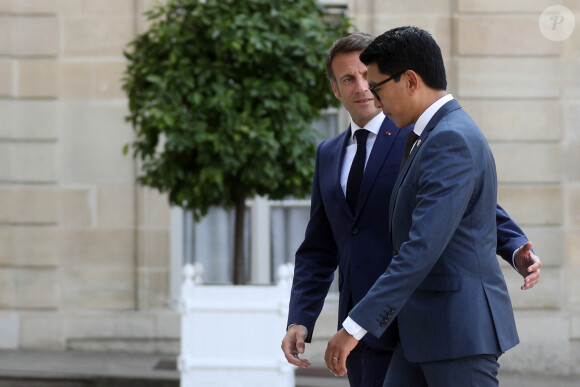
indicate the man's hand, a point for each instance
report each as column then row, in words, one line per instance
column 528, row 265
column 338, row 349
column 293, row 345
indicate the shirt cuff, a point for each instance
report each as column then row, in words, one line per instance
column 353, row 328
column 291, row 325
column 514, row 256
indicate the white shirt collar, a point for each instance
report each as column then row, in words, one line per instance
column 372, row 126
column 429, row 113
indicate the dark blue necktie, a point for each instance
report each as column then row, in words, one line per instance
column 357, row 168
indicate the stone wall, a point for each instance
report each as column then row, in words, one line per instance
column 523, row 89
column 84, row 253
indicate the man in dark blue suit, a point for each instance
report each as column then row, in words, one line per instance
column 355, row 237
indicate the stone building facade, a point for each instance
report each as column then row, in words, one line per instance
column 84, row 252
column 85, row 257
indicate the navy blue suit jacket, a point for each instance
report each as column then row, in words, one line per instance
column 358, row 244
column 445, row 285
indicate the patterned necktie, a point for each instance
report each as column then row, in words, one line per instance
column 411, row 138
column 356, row 169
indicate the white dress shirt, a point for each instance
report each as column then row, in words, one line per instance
column 373, row 126
column 424, row 118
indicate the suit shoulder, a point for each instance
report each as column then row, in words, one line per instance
column 332, row 142
column 460, row 115
column 460, row 122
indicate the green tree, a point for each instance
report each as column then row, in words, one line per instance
column 222, row 94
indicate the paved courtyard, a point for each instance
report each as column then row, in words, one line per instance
column 317, row 378
column 83, row 369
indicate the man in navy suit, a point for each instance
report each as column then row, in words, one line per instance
column 356, row 240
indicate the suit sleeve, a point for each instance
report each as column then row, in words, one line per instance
column 315, row 263
column 446, row 181
column 509, row 235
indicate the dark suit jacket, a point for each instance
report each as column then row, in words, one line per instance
column 445, row 286
column 358, row 244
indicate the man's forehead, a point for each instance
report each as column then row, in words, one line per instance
column 351, row 57
column 348, row 62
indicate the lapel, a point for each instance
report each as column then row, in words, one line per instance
column 383, row 143
column 442, row 112
column 339, row 152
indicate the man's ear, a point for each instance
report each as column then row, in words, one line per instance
column 335, row 90
column 411, row 80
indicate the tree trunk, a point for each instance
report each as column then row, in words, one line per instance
column 240, row 277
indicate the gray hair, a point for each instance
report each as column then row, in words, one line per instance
column 356, row 41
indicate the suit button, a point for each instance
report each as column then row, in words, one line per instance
column 383, row 323
column 355, row 230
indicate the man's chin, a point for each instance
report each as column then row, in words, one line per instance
column 402, row 125
column 368, row 115
column 398, row 122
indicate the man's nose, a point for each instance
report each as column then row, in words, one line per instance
column 362, row 84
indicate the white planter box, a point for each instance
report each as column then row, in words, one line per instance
column 231, row 335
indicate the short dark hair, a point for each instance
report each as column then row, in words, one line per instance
column 408, row 48
column 353, row 42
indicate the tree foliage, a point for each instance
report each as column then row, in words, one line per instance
column 222, row 95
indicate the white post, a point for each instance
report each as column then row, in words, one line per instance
column 260, row 252
column 176, row 253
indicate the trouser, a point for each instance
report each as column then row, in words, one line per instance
column 367, row 366
column 472, row 371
